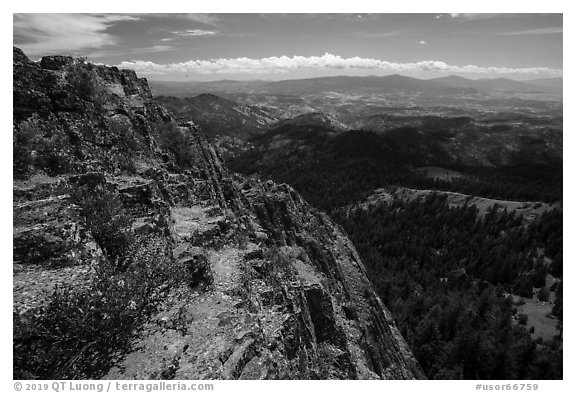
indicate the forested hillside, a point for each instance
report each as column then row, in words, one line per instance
column 448, row 275
column 334, row 169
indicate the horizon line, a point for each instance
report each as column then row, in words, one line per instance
column 148, row 78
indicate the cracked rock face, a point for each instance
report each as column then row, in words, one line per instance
column 276, row 290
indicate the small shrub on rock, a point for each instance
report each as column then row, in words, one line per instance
column 174, row 141
column 107, row 220
column 82, row 80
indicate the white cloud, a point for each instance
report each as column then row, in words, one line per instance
column 541, row 31
column 466, row 17
column 39, row 34
column 284, row 64
column 118, row 18
column 194, row 33
column 475, row 16
column 150, row 49
column 144, row 66
column 422, row 42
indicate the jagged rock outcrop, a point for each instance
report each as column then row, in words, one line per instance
column 268, row 287
column 74, row 116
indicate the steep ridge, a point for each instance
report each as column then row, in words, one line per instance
column 219, row 116
column 157, row 262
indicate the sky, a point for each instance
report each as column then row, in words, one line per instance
column 204, row 47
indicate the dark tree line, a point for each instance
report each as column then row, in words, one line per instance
column 516, row 183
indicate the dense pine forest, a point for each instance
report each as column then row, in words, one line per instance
column 448, row 280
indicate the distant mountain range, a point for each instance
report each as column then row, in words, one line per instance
column 548, row 82
column 360, row 84
column 543, row 85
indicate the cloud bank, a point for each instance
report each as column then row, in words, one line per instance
column 285, row 64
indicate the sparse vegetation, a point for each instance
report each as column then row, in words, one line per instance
column 80, row 334
column 23, row 141
column 36, row 148
column 174, row 141
column 106, row 220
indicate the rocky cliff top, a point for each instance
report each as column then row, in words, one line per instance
column 138, row 255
